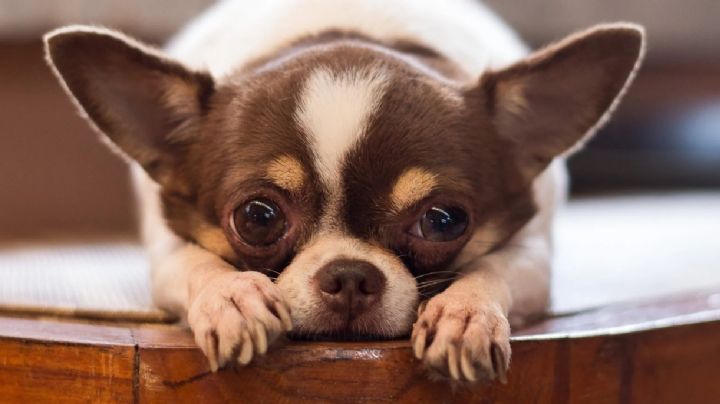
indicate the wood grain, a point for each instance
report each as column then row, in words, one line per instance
column 44, row 361
column 664, row 365
column 666, row 351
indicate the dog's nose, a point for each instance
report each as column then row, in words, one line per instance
column 350, row 286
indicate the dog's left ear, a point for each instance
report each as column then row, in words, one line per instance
column 147, row 104
column 547, row 104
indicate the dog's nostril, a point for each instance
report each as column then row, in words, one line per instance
column 372, row 283
column 329, row 282
column 364, row 288
column 332, row 286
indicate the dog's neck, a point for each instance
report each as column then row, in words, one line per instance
column 413, row 52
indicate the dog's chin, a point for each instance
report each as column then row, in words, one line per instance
column 334, row 328
column 340, row 336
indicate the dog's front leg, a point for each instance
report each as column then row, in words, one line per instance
column 233, row 314
column 464, row 332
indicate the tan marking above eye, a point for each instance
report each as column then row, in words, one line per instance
column 412, row 186
column 287, row 173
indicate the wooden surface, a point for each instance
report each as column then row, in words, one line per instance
column 65, row 363
column 655, row 352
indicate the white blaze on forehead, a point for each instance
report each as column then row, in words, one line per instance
column 334, row 111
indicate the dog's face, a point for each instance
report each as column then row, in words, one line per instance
column 360, row 179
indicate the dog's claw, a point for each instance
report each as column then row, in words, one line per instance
column 486, row 363
column 284, row 315
column 419, row 344
column 260, row 339
column 453, row 362
column 499, row 363
column 212, row 354
column 246, row 351
column 467, row 367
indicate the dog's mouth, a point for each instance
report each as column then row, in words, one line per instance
column 331, row 326
column 342, row 336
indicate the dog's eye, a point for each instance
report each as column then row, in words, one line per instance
column 260, row 222
column 441, row 223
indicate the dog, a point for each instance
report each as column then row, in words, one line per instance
column 349, row 169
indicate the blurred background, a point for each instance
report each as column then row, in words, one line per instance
column 646, row 190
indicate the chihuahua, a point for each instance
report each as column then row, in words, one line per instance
column 349, row 169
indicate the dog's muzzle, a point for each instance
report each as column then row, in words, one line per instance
column 349, row 287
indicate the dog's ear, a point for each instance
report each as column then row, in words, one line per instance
column 145, row 103
column 548, row 103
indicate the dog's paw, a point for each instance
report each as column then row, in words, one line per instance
column 236, row 315
column 463, row 339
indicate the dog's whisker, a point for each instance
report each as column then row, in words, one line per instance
column 442, row 274
column 426, row 287
column 445, row 278
column 434, row 273
column 434, row 281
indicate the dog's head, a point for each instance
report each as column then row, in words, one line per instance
column 351, row 173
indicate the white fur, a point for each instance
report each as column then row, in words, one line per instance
column 334, row 110
column 236, row 31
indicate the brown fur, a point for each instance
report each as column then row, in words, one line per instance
column 546, row 104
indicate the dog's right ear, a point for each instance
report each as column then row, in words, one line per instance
column 145, row 103
column 548, row 104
